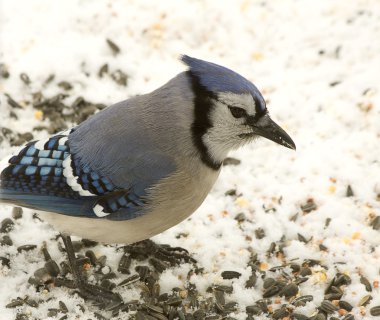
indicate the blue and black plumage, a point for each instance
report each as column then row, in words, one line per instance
column 142, row 165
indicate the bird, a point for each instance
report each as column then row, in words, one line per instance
column 140, row 166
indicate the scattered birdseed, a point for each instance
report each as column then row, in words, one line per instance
column 375, row 311
column 376, row 223
column 309, row 206
column 26, row 247
column 115, row 48
column 230, row 274
column 120, row 77
column 25, row 78
column 6, row 225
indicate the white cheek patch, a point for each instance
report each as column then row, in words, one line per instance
column 71, row 180
column 99, row 211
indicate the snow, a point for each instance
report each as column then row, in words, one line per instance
column 295, row 52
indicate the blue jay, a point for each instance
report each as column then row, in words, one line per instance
column 141, row 165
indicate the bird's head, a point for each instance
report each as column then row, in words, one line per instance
column 229, row 112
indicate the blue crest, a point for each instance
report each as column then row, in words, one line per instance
column 216, row 78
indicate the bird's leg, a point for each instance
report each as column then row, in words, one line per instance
column 105, row 298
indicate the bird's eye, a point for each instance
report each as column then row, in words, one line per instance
column 237, row 112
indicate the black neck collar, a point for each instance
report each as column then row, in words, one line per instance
column 202, row 109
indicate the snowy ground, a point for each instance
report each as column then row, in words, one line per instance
column 316, row 62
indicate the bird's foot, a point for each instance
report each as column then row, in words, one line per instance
column 147, row 248
column 102, row 298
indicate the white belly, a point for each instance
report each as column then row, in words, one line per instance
column 175, row 199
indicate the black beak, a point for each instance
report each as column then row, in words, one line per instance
column 269, row 129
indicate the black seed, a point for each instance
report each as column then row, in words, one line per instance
column 251, row 282
column 376, row 223
column 42, row 275
column 301, row 238
column 91, row 255
column 143, row 272
column 231, row 192
column 328, row 307
column 319, row 316
column 240, row 217
column 174, row 301
column 375, row 311
column 295, row 267
column 5, row 262
column 17, row 213
column 105, row 283
column 52, row 312
column 103, row 70
column 25, row 78
column 301, row 301
column 231, row 161
column 62, row 307
column 268, row 282
column 259, row 233
column 26, row 247
column 230, row 275
column 6, row 225
column 349, row 316
column 115, row 49
column 309, row 206
column 305, row 271
column 280, row 313
column 345, row 305
column 6, row 241
column 32, row 303
column 21, row 316
column 158, row 265
column 52, row 268
column 130, row 280
column 365, row 282
column 322, row 247
column 349, row 191
column 255, row 310
column 65, row 85
column 289, row 290
column 271, row 291
column 15, row 303
column 4, row 73
column 120, row 77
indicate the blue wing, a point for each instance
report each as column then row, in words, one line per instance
column 76, row 174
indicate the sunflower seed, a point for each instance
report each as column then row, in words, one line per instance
column 25, row 78
column 289, row 290
column 328, row 307
column 26, row 247
column 52, row 268
column 366, row 283
column 376, row 223
column 365, row 300
column 230, row 275
column 345, row 305
column 115, row 49
column 375, row 311
column 309, row 206
column 124, row 264
column 349, row 316
column 271, row 291
column 6, row 225
column 132, row 279
column 259, row 233
column 16, row 213
column 15, row 303
column 6, row 241
column 299, row 316
column 5, row 262
column 349, row 191
column 62, row 307
column 280, row 313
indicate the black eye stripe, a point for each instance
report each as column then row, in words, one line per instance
column 237, row 112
